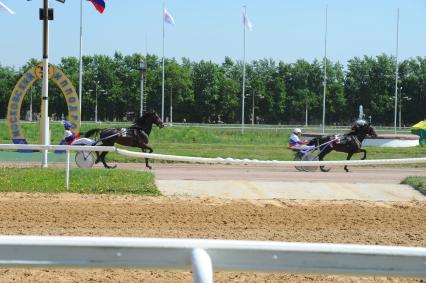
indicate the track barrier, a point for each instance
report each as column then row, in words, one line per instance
column 202, row 256
column 217, row 160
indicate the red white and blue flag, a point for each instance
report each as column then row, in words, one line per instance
column 99, row 5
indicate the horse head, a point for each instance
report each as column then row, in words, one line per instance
column 362, row 127
column 157, row 120
column 149, row 118
column 371, row 131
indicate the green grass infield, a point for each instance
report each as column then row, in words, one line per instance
column 87, row 181
column 419, row 183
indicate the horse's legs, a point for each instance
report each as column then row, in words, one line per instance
column 145, row 147
column 97, row 157
column 365, row 153
column 102, row 158
column 322, row 168
column 348, row 158
column 321, row 158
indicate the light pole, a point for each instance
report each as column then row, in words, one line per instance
column 252, row 111
column 325, row 69
column 96, row 102
column 171, row 106
column 396, row 67
column 31, row 105
column 142, row 69
column 45, row 15
column 96, row 99
column 306, row 112
column 400, row 105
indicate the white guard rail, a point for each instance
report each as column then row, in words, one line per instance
column 219, row 160
column 205, row 255
column 67, row 149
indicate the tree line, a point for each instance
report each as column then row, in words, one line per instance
column 209, row 92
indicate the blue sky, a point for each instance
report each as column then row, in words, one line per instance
column 284, row 30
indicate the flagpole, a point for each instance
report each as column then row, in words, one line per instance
column 162, row 84
column 80, row 77
column 325, row 69
column 244, row 69
column 396, row 70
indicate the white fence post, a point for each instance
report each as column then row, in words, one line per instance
column 202, row 269
column 67, row 171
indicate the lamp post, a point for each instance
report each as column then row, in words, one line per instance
column 252, row 111
column 96, row 101
column 46, row 14
column 400, row 106
column 306, row 112
column 396, row 68
column 325, row 69
column 171, row 106
column 142, row 69
column 31, row 106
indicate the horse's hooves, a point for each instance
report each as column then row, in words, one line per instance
column 149, row 167
column 325, row 170
column 111, row 167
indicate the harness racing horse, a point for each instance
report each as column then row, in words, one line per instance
column 135, row 136
column 349, row 143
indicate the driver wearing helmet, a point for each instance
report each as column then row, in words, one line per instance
column 68, row 135
column 296, row 143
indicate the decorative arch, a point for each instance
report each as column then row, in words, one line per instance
column 20, row 90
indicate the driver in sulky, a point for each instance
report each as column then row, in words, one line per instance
column 69, row 136
column 296, row 143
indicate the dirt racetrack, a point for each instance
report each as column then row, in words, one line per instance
column 384, row 223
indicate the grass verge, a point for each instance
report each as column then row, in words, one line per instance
column 419, row 183
column 87, row 181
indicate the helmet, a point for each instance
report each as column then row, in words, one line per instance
column 297, row 130
column 67, row 125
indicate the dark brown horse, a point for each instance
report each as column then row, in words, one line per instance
column 349, row 143
column 135, row 136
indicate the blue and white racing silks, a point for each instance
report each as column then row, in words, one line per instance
column 295, row 143
column 69, row 136
column 294, row 140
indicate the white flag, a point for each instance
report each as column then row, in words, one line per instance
column 247, row 23
column 5, row 8
column 168, row 17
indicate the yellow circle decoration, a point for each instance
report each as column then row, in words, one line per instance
column 21, row 88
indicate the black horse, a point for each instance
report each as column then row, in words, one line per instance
column 136, row 135
column 350, row 143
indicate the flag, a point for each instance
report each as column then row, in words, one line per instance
column 247, row 23
column 5, row 8
column 99, row 5
column 168, row 17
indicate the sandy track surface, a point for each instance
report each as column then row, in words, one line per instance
column 384, row 223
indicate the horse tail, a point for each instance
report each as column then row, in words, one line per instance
column 92, row 132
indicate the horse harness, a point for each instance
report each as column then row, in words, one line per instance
column 137, row 133
column 344, row 139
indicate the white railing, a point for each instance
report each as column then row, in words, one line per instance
column 217, row 160
column 66, row 148
column 205, row 255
